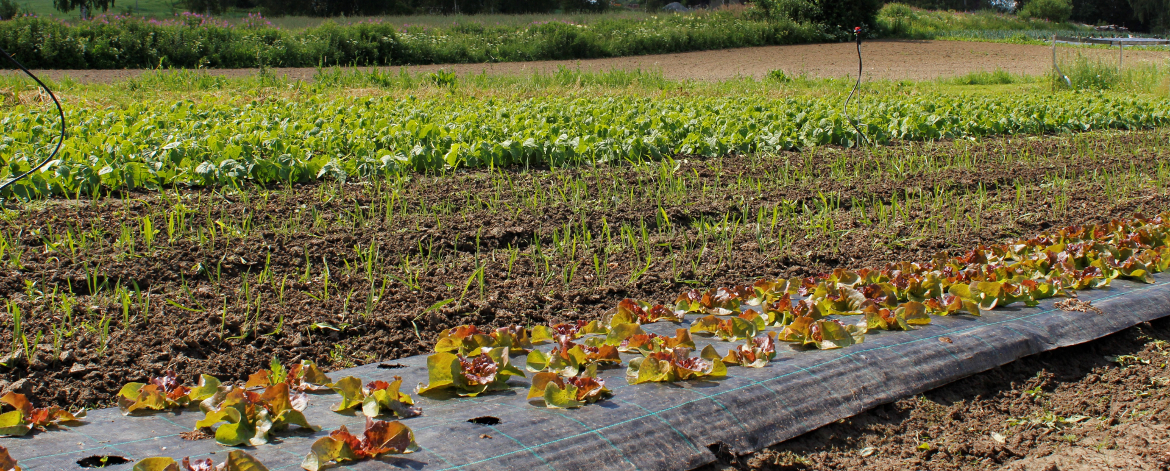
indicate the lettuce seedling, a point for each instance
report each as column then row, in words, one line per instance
column 469, row 376
column 747, row 325
column 250, row 416
column 544, row 334
column 6, row 461
column 568, row 358
column 236, row 461
column 753, row 353
column 900, row 318
column 25, row 417
column 164, row 392
column 379, row 438
column 824, row 334
column 672, row 365
column 376, row 398
column 559, row 392
column 655, row 342
column 303, row 376
column 469, row 340
column 629, row 311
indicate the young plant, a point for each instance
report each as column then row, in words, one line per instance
column 754, row 353
column 164, row 392
column 6, row 461
column 379, row 438
column 469, row 376
column 249, row 417
column 824, row 334
column 25, row 417
column 303, row 376
column 376, row 398
column 236, row 461
column 569, row 359
column 559, row 392
column 673, row 365
column 746, row 325
column 635, row 312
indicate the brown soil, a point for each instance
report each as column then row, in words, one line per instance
column 1101, row 405
column 884, row 59
column 232, row 278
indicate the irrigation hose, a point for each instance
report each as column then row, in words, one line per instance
column 60, row 111
column 845, row 109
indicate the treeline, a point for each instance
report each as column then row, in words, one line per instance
column 115, row 43
column 397, row 7
column 1136, row 15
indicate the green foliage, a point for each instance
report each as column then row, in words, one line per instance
column 1155, row 13
column 379, row 438
column 9, row 9
column 903, row 21
column 88, row 6
column 469, row 376
column 1051, row 10
column 237, row 460
column 375, row 399
column 25, row 418
column 153, row 143
column 194, row 41
column 246, row 417
column 164, row 392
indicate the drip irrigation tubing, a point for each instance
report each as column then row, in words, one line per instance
column 857, row 32
column 60, row 112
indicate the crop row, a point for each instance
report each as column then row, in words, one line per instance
column 154, row 144
column 836, row 310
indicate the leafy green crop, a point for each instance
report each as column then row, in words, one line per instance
column 375, row 398
column 164, row 392
column 25, row 417
column 379, row 438
column 154, row 143
column 469, row 375
column 249, row 417
column 236, row 461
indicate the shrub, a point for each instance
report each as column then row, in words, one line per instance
column 1051, row 10
column 8, row 9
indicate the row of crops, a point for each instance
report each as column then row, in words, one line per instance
column 155, row 143
column 835, row 310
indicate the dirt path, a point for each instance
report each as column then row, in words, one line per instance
column 890, row 59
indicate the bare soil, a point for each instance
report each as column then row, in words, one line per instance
column 884, row 59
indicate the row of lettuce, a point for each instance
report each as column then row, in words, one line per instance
column 154, row 143
column 834, row 310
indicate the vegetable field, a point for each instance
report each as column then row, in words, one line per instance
column 204, row 242
column 226, row 141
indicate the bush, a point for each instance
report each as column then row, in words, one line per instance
column 8, row 9
column 192, row 40
column 1051, row 10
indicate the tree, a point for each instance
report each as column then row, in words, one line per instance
column 1051, row 10
column 1154, row 13
column 86, row 6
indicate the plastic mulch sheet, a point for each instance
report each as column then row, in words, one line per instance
column 655, row 426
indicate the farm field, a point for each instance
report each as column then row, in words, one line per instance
column 205, row 224
column 884, row 60
column 217, row 281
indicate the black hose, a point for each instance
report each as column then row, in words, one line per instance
column 845, row 109
column 60, row 111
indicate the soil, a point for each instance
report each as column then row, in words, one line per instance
column 884, row 59
column 222, row 280
column 1100, row 405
